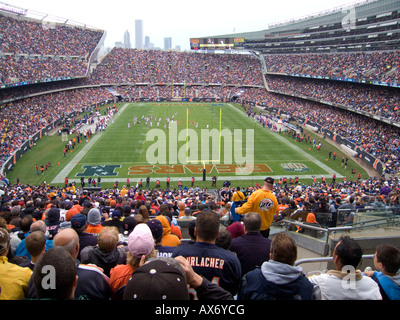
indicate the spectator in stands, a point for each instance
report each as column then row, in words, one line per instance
column 142, row 215
column 93, row 284
column 53, row 222
column 35, row 226
column 236, row 229
column 224, row 238
column 187, row 215
column 13, row 287
column 252, row 249
column 168, row 239
column 129, row 224
column 115, row 221
column 94, row 222
column 161, row 279
column 205, row 257
column 345, row 282
column 264, row 202
column 278, row 278
column 205, row 290
column 141, row 249
column 65, row 271
column 238, row 195
column 181, row 208
column 387, row 265
column 175, row 228
column 36, row 245
column 311, row 221
column 79, row 224
column 107, row 254
column 157, row 231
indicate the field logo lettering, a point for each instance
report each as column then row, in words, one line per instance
column 101, row 171
column 188, row 153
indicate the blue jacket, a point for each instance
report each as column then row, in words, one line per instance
column 275, row 281
column 389, row 286
column 22, row 251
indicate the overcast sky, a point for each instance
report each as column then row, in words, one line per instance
column 178, row 19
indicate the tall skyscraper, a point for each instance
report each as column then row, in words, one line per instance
column 147, row 42
column 167, row 43
column 127, row 40
column 139, row 34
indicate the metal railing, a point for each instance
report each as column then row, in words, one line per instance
column 326, row 259
column 361, row 221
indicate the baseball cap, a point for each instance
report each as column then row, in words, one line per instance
column 116, row 214
column 157, row 280
column 78, row 221
column 53, row 215
column 129, row 224
column 269, row 180
column 140, row 241
column 155, row 227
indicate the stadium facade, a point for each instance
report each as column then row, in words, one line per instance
column 362, row 26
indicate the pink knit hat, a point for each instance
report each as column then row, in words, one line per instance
column 141, row 241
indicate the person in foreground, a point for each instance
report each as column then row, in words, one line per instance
column 278, row 278
column 387, row 274
column 345, row 282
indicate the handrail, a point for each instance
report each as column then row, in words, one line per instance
column 303, row 225
column 326, row 259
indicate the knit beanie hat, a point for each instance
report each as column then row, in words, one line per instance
column 94, row 217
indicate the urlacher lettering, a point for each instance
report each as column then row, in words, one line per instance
column 207, row 262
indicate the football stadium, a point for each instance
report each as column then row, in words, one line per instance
column 121, row 162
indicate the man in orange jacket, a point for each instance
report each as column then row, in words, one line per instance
column 264, row 202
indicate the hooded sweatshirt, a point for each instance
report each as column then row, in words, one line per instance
column 275, row 281
column 168, row 239
column 105, row 260
column 389, row 285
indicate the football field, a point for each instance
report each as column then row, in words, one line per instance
column 180, row 141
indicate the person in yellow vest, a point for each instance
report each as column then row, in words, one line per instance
column 124, row 191
column 238, row 195
column 264, row 202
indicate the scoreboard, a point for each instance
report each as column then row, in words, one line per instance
column 216, row 43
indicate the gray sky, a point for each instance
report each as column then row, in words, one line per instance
column 178, row 19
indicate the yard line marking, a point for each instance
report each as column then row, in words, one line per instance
column 79, row 156
column 316, row 161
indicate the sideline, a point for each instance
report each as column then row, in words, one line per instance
column 72, row 163
column 289, row 144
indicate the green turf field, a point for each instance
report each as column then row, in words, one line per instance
column 233, row 147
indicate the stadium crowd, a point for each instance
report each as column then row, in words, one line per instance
column 23, row 118
column 117, row 230
column 159, row 67
column 383, row 102
column 48, row 47
column 359, row 66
